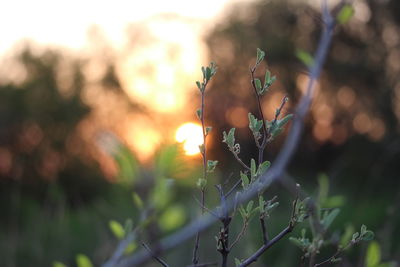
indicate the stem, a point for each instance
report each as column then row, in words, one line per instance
column 269, row 243
column 240, row 161
column 195, row 258
column 264, row 230
column 241, row 233
column 223, row 238
column 263, row 248
column 338, row 252
column 163, row 263
column 204, row 264
column 260, row 111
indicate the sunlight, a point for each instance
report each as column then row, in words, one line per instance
column 163, row 64
column 191, row 135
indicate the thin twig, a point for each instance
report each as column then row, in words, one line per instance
column 264, row 247
column 263, row 144
column 240, row 161
column 238, row 182
column 163, row 263
column 264, row 230
column 195, row 258
column 223, row 237
column 338, row 252
column 205, row 208
column 270, row 243
column 204, row 264
column 241, row 233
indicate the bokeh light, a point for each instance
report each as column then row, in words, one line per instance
column 191, row 135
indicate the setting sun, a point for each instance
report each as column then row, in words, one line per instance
column 191, row 135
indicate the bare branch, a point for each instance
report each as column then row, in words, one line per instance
column 204, row 264
column 163, row 263
column 241, row 233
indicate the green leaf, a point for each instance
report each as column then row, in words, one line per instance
column 201, row 183
column 208, row 73
column 203, row 70
column 242, row 212
column 257, row 82
column 208, row 129
column 260, row 56
column 83, row 261
column 296, row 242
column 276, row 132
column 137, row 200
column 199, row 113
column 327, row 221
column 363, row 229
column 305, row 57
column 253, row 169
column 261, row 203
column 282, row 122
column 59, row 264
column 345, row 14
column 245, row 180
column 172, row 218
column 355, row 236
column 373, row 256
column 201, row 148
column 211, row 164
column 272, row 206
column 254, row 124
column 200, row 86
column 267, row 78
column 117, row 229
column 249, row 206
column 263, row 167
column 229, row 138
column 368, row 236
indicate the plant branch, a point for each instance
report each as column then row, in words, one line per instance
column 264, row 230
column 238, row 182
column 277, row 169
column 269, row 243
column 204, row 264
column 338, row 252
column 163, row 263
column 263, row 144
column 264, row 247
column 240, row 161
column 241, row 233
column 195, row 258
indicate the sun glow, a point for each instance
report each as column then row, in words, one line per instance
column 191, row 135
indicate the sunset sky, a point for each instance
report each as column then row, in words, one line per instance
column 66, row 22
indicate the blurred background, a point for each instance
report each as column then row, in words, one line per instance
column 98, row 100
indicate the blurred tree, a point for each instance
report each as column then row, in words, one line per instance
column 39, row 118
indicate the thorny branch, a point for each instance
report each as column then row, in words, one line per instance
column 277, row 169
